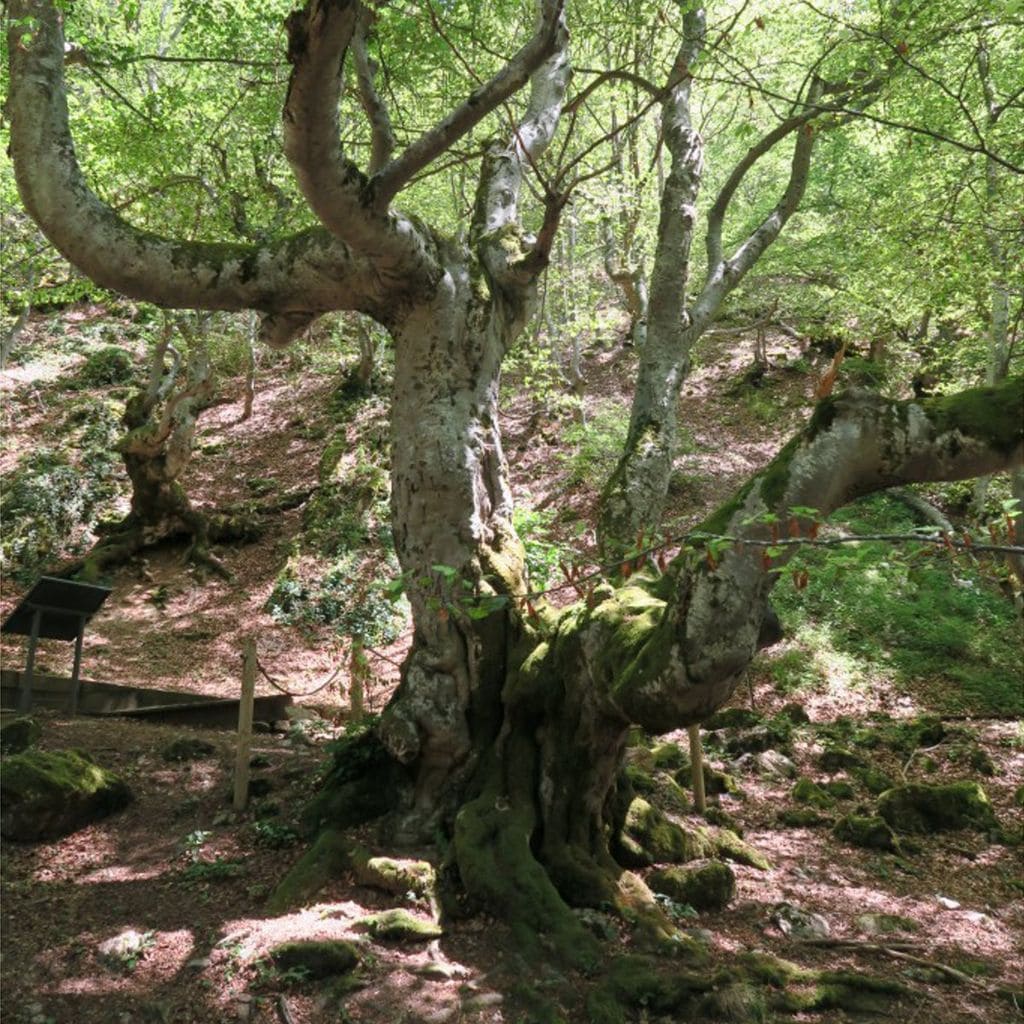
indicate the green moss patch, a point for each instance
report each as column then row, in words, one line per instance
column 400, row 926
column 45, row 794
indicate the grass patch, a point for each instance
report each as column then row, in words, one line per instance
column 938, row 630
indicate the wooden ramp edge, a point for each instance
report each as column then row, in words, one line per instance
column 101, row 699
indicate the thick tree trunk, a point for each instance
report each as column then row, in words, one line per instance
column 515, row 726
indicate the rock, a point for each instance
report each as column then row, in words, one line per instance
column 482, row 1001
column 808, row 792
column 668, row 793
column 299, row 713
column 870, row 832
column 750, row 741
column 947, row 903
column 716, row 782
column 795, row 713
column 728, row 844
column 918, row 807
column 18, row 735
column 188, row 748
column 704, row 885
column 732, row 718
column 841, row 789
column 668, row 757
column 323, row 959
column 802, row 817
column 770, row 763
column 391, row 875
column 45, row 794
column 834, row 759
column 873, row 780
column 658, row 838
column 259, row 761
column 400, row 926
column 199, row 964
column 716, row 816
column 980, row 760
column 885, row 924
column 125, row 950
column 801, row 924
column 298, row 737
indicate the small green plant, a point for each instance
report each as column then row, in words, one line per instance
column 342, row 598
column 274, row 835
column 218, row 870
column 542, row 553
column 597, row 446
column 193, row 844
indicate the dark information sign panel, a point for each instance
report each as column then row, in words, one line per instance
column 54, row 609
column 62, row 605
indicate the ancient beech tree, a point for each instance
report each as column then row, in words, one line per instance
column 507, row 729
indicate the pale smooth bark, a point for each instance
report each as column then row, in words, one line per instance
column 633, row 497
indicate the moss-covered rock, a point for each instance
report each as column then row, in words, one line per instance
column 733, row 718
column 840, row 789
column 1018, row 796
column 918, row 807
column 45, row 794
column 981, row 761
column 716, row 783
column 669, row 757
column 395, row 876
column 400, row 926
column 728, row 844
column 188, row 748
column 757, row 739
column 668, row 794
column 316, row 959
column 886, row 924
column 873, row 780
column 870, row 832
column 705, row 885
column 835, row 759
column 806, row 791
column 735, row 1002
column 19, row 734
column 795, row 713
column 802, row 817
column 658, row 838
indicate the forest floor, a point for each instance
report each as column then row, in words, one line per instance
column 189, row 878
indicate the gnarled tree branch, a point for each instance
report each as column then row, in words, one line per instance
column 308, row 273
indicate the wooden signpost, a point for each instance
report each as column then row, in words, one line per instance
column 244, row 749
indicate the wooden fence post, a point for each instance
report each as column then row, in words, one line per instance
column 697, row 769
column 244, row 747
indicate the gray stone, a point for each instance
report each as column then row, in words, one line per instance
column 793, row 921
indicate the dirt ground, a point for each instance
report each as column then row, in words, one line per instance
column 178, row 867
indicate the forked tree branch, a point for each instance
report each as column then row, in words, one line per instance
column 481, row 102
column 306, row 274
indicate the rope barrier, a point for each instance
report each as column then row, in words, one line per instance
column 308, row 693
